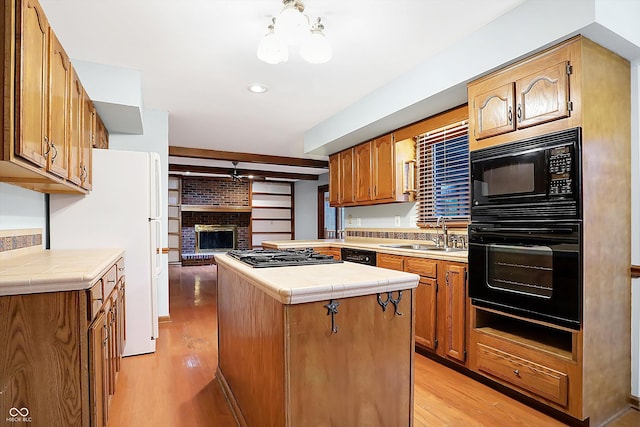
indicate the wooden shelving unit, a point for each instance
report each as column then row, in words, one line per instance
column 271, row 212
column 174, row 219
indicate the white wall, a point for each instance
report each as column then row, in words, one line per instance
column 306, row 207
column 381, row 216
column 154, row 139
column 20, row 208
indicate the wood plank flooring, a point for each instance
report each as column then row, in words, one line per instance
column 176, row 386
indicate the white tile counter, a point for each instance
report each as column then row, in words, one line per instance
column 38, row 271
column 309, row 283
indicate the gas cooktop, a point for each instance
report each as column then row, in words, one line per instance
column 260, row 258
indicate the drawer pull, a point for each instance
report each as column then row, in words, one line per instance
column 516, row 372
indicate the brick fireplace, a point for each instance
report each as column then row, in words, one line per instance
column 213, row 193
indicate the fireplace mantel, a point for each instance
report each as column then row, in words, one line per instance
column 214, row 208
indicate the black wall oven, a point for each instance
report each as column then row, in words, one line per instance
column 525, row 236
column 530, row 271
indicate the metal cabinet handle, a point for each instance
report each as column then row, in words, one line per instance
column 46, row 141
column 510, row 115
column 55, row 152
column 516, row 372
column 519, row 113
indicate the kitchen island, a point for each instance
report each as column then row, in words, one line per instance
column 316, row 345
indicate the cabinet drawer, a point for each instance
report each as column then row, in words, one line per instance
column 392, row 262
column 538, row 379
column 422, row 266
column 94, row 300
column 109, row 280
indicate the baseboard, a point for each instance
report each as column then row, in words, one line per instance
column 635, row 402
column 164, row 319
column 231, row 400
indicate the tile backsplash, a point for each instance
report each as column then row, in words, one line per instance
column 11, row 240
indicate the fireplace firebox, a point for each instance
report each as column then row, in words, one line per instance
column 215, row 238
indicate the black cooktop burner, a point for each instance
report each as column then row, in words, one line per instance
column 259, row 258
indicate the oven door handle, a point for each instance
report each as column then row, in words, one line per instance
column 523, row 230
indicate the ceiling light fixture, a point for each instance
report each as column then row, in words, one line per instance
column 293, row 29
column 258, row 88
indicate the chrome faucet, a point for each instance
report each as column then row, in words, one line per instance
column 445, row 236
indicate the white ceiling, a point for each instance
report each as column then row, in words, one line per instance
column 197, row 58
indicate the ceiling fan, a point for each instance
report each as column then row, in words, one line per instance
column 235, row 174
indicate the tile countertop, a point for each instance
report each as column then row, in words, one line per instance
column 368, row 244
column 54, row 270
column 310, row 283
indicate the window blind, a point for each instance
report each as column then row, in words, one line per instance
column 443, row 174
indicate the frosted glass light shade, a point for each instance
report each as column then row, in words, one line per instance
column 292, row 25
column 316, row 48
column 272, row 49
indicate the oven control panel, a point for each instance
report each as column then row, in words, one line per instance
column 560, row 168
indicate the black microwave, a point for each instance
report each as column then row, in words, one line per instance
column 536, row 179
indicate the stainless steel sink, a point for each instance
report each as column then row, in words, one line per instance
column 418, row 247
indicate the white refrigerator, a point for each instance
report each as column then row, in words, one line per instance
column 123, row 210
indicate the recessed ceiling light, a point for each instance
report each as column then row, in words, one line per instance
column 258, row 88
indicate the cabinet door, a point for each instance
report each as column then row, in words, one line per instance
column 346, row 177
column 384, row 183
column 88, row 119
column 494, row 111
column 75, row 137
column 426, row 313
column 362, row 163
column 122, row 312
column 334, row 179
column 101, row 134
column 59, row 108
column 32, row 48
column 454, row 311
column 98, row 396
column 112, row 316
column 543, row 96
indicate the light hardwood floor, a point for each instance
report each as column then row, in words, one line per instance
column 176, row 386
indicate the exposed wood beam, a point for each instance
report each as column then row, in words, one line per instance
column 200, row 153
column 255, row 173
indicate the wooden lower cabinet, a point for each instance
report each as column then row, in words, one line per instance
column 98, row 373
column 334, row 252
column 56, row 355
column 281, row 365
column 535, row 359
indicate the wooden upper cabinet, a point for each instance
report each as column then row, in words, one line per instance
column 32, row 47
column 347, row 178
column 101, row 139
column 362, row 155
column 543, row 95
column 494, row 111
column 76, row 129
column 334, row 179
column 43, row 107
column 384, row 176
column 59, row 123
column 88, row 126
column 505, row 105
column 372, row 172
